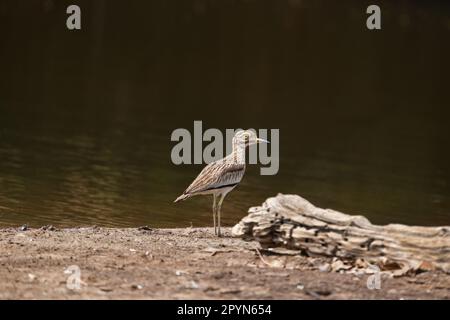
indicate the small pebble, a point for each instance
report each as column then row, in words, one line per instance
column 326, row 267
column 137, row 287
column 194, row 284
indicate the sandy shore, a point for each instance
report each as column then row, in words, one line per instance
column 188, row 263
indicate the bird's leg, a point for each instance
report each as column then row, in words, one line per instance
column 219, row 206
column 214, row 214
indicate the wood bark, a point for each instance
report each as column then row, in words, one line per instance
column 292, row 222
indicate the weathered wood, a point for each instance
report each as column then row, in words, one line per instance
column 292, row 222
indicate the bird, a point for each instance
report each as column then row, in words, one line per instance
column 220, row 177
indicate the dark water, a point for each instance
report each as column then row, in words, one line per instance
column 86, row 116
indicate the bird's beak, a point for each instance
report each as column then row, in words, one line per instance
column 259, row 140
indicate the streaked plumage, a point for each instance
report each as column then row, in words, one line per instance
column 220, row 177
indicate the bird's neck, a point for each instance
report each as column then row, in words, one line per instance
column 238, row 154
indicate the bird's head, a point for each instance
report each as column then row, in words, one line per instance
column 247, row 138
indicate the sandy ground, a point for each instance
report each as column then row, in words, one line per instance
column 188, row 263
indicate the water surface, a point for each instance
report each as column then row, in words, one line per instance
column 86, row 117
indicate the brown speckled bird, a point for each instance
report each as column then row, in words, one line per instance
column 221, row 176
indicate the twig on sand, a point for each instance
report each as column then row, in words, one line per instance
column 261, row 257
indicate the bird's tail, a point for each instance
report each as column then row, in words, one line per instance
column 182, row 197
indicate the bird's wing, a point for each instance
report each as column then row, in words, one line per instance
column 215, row 175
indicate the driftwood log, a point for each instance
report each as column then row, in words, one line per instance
column 291, row 222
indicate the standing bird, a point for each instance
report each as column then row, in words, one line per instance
column 221, row 176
